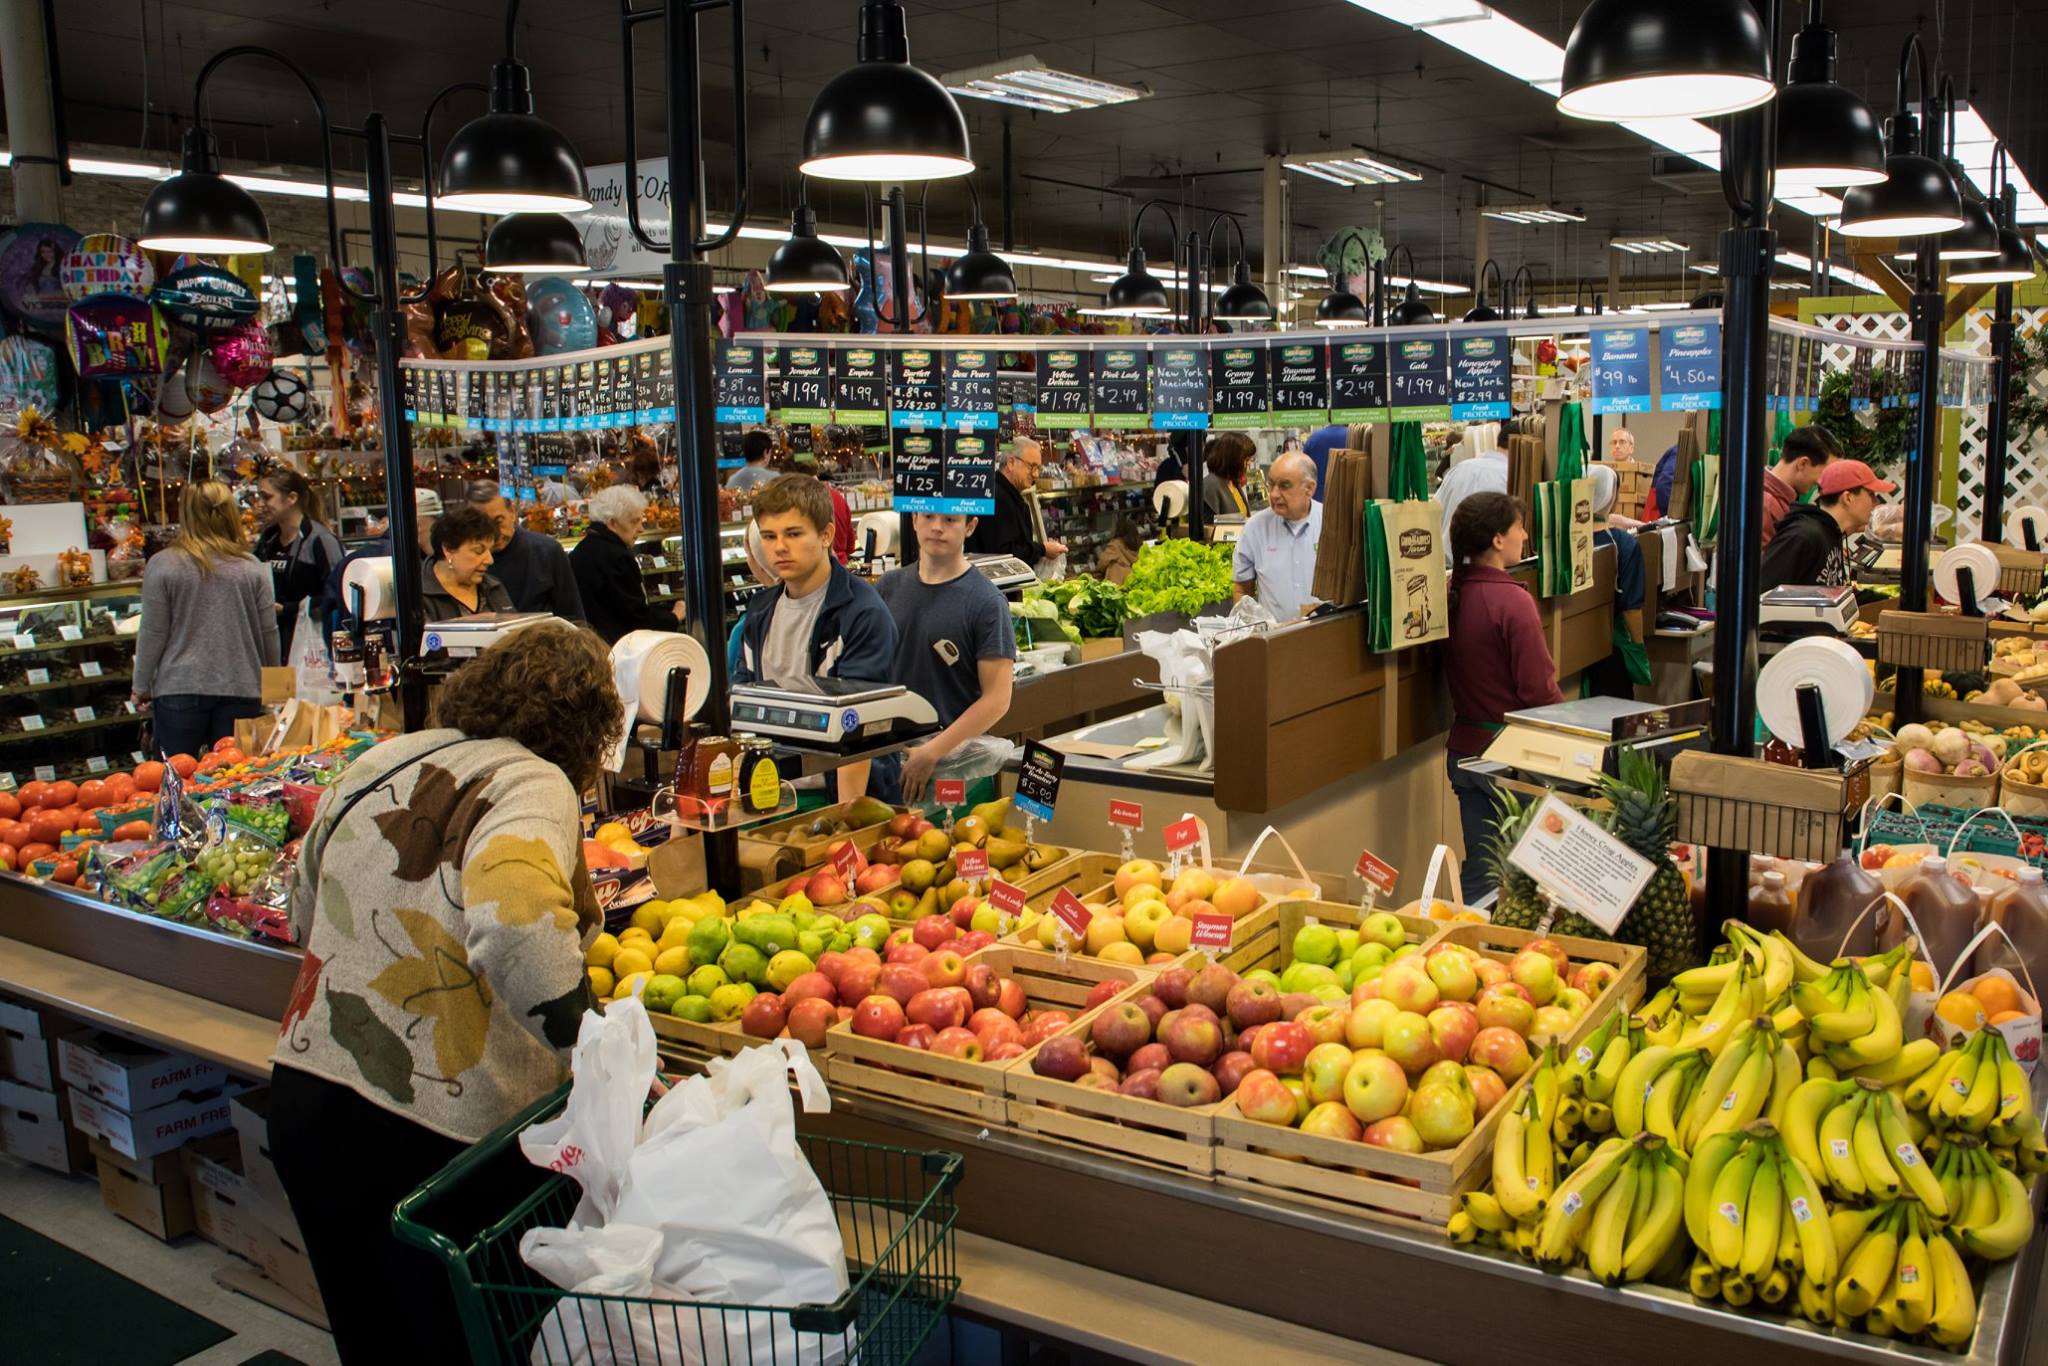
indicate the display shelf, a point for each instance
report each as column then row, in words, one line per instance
column 18, row 737
column 58, row 684
column 45, row 647
column 113, row 588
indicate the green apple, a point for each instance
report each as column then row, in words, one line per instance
column 1266, row 975
column 729, row 1000
column 1367, row 962
column 1315, row 944
column 1345, row 975
column 707, row 979
column 696, row 1008
column 1347, row 942
column 1330, row 993
column 1383, row 927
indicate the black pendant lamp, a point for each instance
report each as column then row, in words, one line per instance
column 1483, row 312
column 1639, row 59
column 805, row 264
column 1917, row 197
column 201, row 211
column 883, row 119
column 508, row 161
column 980, row 273
column 533, row 244
column 1529, row 312
column 1242, row 301
column 1340, row 307
column 1137, row 293
column 1827, row 137
column 1977, row 239
column 1411, row 311
column 2014, row 264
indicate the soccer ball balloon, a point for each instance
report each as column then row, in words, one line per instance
column 282, row 397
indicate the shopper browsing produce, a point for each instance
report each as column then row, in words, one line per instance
column 609, row 583
column 1009, row 529
column 1228, row 459
column 955, row 644
column 445, row 908
column 1120, row 551
column 534, row 568
column 1497, row 661
column 458, row 581
column 755, row 445
column 1808, row 546
column 1276, row 554
column 1807, row 453
column 208, row 628
column 297, row 546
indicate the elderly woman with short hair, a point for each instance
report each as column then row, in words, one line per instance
column 608, row 577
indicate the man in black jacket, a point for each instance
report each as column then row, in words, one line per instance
column 1008, row 530
column 1807, row 548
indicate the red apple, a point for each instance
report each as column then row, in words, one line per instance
column 906, row 953
column 918, row 1036
column 1407, row 1040
column 935, row 1008
column 962, row 914
column 1263, row 1099
column 764, row 1015
column 1153, row 1055
column 1193, row 1039
column 958, row 1043
column 1154, row 1008
column 1120, row 1030
column 1253, row 1002
column 1143, row 1083
column 809, row 1019
column 1487, row 1087
column 829, row 963
column 1045, row 1025
column 1230, row 1070
column 980, row 981
column 1395, row 1132
column 1171, row 986
column 1102, row 992
column 1554, row 951
column 1211, row 987
column 1292, row 1003
column 1453, row 1025
column 874, row 878
column 856, row 979
column 987, row 1018
column 1406, row 983
column 1185, row 1084
column 933, row 930
column 1322, row 1072
column 944, row 968
column 810, row 985
column 1246, row 1035
column 901, row 980
column 1490, row 972
column 1281, row 1047
column 973, row 942
column 878, row 1017
column 1502, row 1050
column 1003, row 1050
column 826, row 888
column 1594, row 977
column 1007, row 1031
column 1324, row 1023
column 1062, row 1057
column 1505, row 1006
column 1010, row 998
column 1103, row 1067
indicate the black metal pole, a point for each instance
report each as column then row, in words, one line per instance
column 387, row 327
column 1748, row 248
column 899, row 258
column 1993, row 526
column 1190, row 443
column 686, row 288
column 1009, row 190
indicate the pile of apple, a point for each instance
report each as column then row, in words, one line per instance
column 941, row 1003
column 1420, row 1050
column 1181, row 1040
column 1144, row 920
column 825, row 888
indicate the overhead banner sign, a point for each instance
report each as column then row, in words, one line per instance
column 1621, row 369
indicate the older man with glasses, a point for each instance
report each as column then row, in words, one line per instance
column 1276, row 553
column 1010, row 530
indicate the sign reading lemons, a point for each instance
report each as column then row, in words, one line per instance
column 1358, row 381
column 1301, row 383
column 1420, row 382
column 1480, row 377
column 860, row 394
column 1238, row 392
column 1063, row 389
column 1180, row 389
column 1689, row 357
column 739, row 384
column 1121, row 389
column 916, row 398
column 804, row 394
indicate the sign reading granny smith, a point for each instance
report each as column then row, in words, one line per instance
column 1238, row 394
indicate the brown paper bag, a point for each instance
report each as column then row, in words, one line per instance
column 1580, row 529
column 252, row 733
column 1415, row 572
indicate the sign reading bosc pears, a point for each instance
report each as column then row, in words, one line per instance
column 1479, row 377
column 1238, row 395
column 916, row 397
column 971, row 390
column 1358, row 381
column 1301, row 382
column 860, row 394
column 968, row 487
column 1180, row 389
column 739, row 383
column 1121, row 397
column 1420, row 389
column 805, row 394
column 1621, row 370
column 1689, row 355
column 1063, row 388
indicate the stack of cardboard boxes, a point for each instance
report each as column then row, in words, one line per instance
column 139, row 1106
column 35, row 1113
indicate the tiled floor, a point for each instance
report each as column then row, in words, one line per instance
column 68, row 1210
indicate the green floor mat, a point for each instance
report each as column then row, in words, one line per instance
column 56, row 1305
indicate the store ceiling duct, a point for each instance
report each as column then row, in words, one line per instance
column 201, row 211
column 1350, row 169
column 1029, row 83
column 533, row 244
column 1827, row 136
column 509, row 161
column 1635, row 59
column 882, row 119
column 1918, row 197
column 803, row 264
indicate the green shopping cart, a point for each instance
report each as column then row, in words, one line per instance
column 896, row 1214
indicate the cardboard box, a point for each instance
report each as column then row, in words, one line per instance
column 150, row 1192
column 273, row 1208
column 223, row 1201
column 35, row 1126
column 28, row 1043
column 1727, row 802
column 146, row 1133
column 132, row 1076
column 284, row 1261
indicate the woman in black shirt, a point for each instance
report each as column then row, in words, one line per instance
column 299, row 550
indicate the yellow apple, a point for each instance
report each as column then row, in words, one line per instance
column 1142, row 922
column 1105, row 930
column 1198, row 883
column 1053, row 935
column 1237, row 898
column 1139, row 893
column 1123, row 951
column 1136, row 871
column 1173, row 934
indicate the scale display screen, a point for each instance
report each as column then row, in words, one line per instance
column 756, row 714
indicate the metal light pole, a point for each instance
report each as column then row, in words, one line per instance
column 1992, row 527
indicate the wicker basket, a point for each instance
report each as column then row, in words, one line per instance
column 1945, row 789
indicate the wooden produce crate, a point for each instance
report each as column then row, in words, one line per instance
column 690, row 1041
column 1068, row 977
column 1292, row 916
column 1933, row 640
column 1081, row 873
column 911, row 1076
column 1727, row 801
column 1356, row 1178
column 2019, row 570
column 810, row 849
column 1176, row 1138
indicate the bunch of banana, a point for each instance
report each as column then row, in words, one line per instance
column 1990, row 1213
column 1588, row 1079
column 1752, row 1079
column 1524, row 1162
column 1856, row 1136
column 1758, row 1220
column 1902, row 1277
column 1976, row 1087
column 1742, row 996
column 1852, row 1020
column 1621, row 1213
column 1774, row 958
column 1659, row 1019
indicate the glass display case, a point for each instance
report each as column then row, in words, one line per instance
column 67, row 659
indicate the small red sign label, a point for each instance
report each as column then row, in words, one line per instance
column 950, row 791
column 1211, row 932
column 1184, row 833
column 847, row 860
column 1379, row 874
column 1007, row 899
column 1068, row 910
column 971, row 864
column 1127, row 814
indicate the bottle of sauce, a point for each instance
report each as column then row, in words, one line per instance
column 2022, row 910
column 1770, row 904
column 1944, row 908
column 1829, row 902
column 759, row 778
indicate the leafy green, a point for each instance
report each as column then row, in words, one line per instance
column 1093, row 607
column 1037, row 621
column 1177, row 576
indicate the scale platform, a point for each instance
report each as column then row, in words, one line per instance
column 1797, row 608
column 1006, row 572
column 466, row 637
column 1577, row 741
column 840, row 714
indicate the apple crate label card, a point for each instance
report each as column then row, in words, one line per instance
column 1008, row 901
column 1584, row 868
column 1211, row 932
column 860, row 394
column 1129, row 815
column 1068, row 910
column 1377, row 873
column 971, row 864
column 1239, row 395
column 950, row 792
column 1183, row 834
column 848, row 861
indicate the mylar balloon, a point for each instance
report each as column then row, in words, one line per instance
column 173, row 401
column 282, row 397
column 28, row 374
column 32, row 273
column 208, row 388
column 243, row 355
column 104, row 263
column 115, row 334
column 559, row 317
column 206, row 298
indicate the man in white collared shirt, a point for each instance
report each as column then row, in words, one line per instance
column 1276, row 553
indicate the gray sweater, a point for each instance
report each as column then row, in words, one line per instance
column 211, row 634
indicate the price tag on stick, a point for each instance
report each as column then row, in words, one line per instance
column 1127, row 819
column 1211, row 933
column 1068, row 910
column 848, row 861
column 1008, row 901
column 1379, row 876
column 971, row 864
column 950, row 793
column 1181, row 836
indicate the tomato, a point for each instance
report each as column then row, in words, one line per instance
column 10, row 806
column 14, row 832
column 231, row 756
column 149, row 776
column 9, row 856
column 75, row 818
column 33, row 851
column 65, row 871
column 120, row 789
column 47, row 827
column 32, row 794
column 133, row 830
column 62, row 793
column 184, row 764
column 92, row 794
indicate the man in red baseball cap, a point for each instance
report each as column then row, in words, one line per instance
column 1807, row 548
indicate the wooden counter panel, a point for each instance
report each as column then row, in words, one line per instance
column 1056, row 700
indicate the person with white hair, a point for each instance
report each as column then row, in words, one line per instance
column 1276, row 553
column 1009, row 529
column 608, row 577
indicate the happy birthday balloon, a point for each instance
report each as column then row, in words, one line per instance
column 105, row 263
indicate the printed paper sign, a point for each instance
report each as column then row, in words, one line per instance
column 971, row 864
column 1184, row 833
column 1007, row 899
column 950, row 791
column 1588, row 870
column 1130, row 815
column 1377, row 873
column 1068, row 910
column 1212, row 931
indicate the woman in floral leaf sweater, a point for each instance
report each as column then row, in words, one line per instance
column 444, row 905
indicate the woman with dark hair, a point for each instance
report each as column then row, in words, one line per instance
column 458, row 582
column 1496, row 662
column 298, row 548
column 1229, row 460
column 1120, row 552
column 445, row 908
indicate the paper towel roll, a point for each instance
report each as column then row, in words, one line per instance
column 2019, row 519
column 372, row 574
column 640, row 664
column 1983, row 566
column 1833, row 666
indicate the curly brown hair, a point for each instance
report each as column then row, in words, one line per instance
column 548, row 686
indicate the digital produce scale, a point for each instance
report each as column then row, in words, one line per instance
column 1796, row 609
column 1006, row 572
column 1576, row 741
column 466, row 637
column 840, row 714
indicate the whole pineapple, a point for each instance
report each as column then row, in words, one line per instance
column 1520, row 905
column 1645, row 820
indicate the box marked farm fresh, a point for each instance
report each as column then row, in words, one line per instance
column 1586, row 869
column 131, row 1076
column 144, row 1133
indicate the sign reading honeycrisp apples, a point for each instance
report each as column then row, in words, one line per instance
column 1584, row 868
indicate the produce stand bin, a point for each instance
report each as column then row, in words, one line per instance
column 1067, row 978
column 810, row 849
column 1933, row 640
column 896, row 1211
column 1078, row 873
column 1727, row 801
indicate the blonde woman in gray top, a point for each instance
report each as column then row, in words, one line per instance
column 209, row 627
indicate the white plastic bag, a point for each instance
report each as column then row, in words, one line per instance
column 600, row 1262
column 309, row 661
column 593, row 1139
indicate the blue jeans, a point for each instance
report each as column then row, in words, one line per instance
column 189, row 723
column 1476, row 814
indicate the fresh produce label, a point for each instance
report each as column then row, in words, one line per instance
column 1621, row 370
column 920, row 464
column 860, row 395
column 1301, row 382
column 1358, row 381
column 1238, row 394
column 1063, row 388
column 805, row 392
column 739, row 383
column 1121, row 391
column 1689, row 356
column 970, row 390
column 1421, row 382
column 969, row 487
column 916, row 397
column 1211, row 931
column 1038, row 780
column 1584, row 868
column 1180, row 389
column 1479, row 377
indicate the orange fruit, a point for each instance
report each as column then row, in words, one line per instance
column 1922, row 975
column 2002, row 1017
column 185, row 764
column 1961, row 1009
column 1996, row 994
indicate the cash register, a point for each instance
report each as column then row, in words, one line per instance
column 833, row 713
column 1576, row 741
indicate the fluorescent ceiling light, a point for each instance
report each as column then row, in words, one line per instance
column 1842, row 273
column 1394, row 281
column 1529, row 214
column 1421, row 13
column 1665, row 306
column 1502, row 43
column 1030, row 84
column 1647, row 246
column 1350, row 168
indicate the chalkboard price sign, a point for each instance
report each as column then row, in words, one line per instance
column 1063, row 389
column 806, row 390
column 1421, row 383
column 916, row 397
column 1180, row 389
column 860, row 395
column 971, row 390
column 970, row 471
column 1038, row 780
column 1358, row 381
column 1479, row 377
column 1301, row 383
column 1238, row 394
column 920, row 461
column 739, row 383
column 1121, row 398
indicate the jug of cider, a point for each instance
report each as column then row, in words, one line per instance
column 2021, row 910
column 1829, row 902
column 1770, row 903
column 1944, row 908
